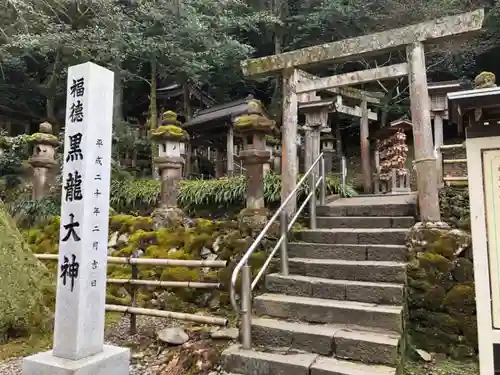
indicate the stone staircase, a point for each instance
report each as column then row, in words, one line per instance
column 341, row 309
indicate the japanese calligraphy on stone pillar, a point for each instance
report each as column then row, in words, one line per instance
column 81, row 287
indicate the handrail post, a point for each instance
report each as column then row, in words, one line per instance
column 322, row 193
column 284, row 243
column 344, row 172
column 133, row 290
column 312, row 202
column 246, row 306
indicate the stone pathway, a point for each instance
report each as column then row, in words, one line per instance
column 376, row 199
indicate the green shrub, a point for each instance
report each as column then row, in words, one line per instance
column 223, row 196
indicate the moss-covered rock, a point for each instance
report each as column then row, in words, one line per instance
column 461, row 299
column 223, row 240
column 464, row 270
column 441, row 298
column 423, row 294
column 432, row 261
column 484, row 80
column 25, row 289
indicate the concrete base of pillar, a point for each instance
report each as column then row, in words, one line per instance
column 112, row 360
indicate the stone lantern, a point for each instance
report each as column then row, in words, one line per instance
column 253, row 127
column 43, row 158
column 328, row 151
column 277, row 157
column 270, row 145
column 169, row 137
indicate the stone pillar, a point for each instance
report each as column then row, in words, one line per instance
column 42, row 159
column 328, row 151
column 425, row 162
column 219, row 163
column 169, row 137
column 188, row 168
column 230, row 151
column 301, row 140
column 364, row 132
column 254, row 126
column 289, row 169
column 438, row 142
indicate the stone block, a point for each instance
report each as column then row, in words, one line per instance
column 332, row 366
column 327, row 251
column 111, row 361
column 363, row 236
column 367, row 347
column 242, row 361
column 375, row 271
column 316, row 310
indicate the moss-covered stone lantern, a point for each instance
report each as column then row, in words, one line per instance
column 169, row 137
column 42, row 160
column 253, row 127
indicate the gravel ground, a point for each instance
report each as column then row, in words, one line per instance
column 146, row 358
column 11, row 367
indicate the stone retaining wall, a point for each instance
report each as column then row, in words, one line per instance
column 441, row 297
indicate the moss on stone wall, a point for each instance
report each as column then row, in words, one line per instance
column 197, row 239
column 441, row 297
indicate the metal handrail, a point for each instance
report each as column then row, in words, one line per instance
column 285, row 226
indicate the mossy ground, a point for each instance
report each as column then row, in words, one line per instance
column 445, row 367
column 25, row 346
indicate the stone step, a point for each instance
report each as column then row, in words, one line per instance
column 367, row 210
column 361, row 236
column 360, row 291
column 317, row 310
column 394, row 253
column 347, row 342
column 252, row 362
column 332, row 366
column 366, row 222
column 358, row 270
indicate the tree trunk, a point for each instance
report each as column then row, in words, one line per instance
column 118, row 97
column 153, row 114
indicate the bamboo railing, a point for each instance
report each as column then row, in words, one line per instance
column 135, row 283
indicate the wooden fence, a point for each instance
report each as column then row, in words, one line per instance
column 453, row 180
column 135, row 283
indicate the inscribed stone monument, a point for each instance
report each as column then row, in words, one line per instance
column 81, row 285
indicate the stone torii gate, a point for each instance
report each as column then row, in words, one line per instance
column 412, row 38
column 316, row 111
